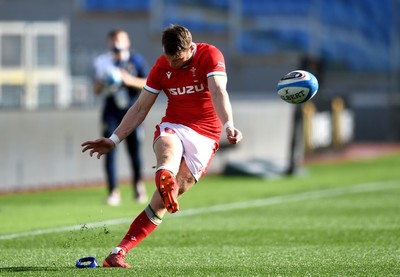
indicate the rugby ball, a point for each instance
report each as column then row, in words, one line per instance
column 297, row 86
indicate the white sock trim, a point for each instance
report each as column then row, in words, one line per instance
column 152, row 216
column 165, row 167
column 116, row 250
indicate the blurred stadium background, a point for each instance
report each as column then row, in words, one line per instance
column 47, row 107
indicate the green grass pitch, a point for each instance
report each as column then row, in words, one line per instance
column 335, row 220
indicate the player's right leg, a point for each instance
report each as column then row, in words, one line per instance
column 143, row 225
column 116, row 259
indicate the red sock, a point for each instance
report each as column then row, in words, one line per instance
column 141, row 227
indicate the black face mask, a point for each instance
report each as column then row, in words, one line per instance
column 116, row 50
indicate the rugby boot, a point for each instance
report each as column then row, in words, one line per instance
column 168, row 188
column 116, row 260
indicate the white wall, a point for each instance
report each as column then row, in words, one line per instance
column 42, row 148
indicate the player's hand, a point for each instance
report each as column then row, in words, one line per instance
column 233, row 135
column 100, row 146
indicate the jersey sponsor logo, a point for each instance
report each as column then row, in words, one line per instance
column 168, row 74
column 221, row 64
column 186, row 89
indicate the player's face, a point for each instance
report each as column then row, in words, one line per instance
column 181, row 59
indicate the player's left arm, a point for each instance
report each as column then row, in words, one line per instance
column 223, row 107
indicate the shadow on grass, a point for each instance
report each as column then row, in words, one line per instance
column 32, row 268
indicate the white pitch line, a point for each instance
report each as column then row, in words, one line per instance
column 274, row 200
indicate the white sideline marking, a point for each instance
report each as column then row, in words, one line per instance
column 367, row 187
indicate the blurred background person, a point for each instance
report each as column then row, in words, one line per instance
column 120, row 74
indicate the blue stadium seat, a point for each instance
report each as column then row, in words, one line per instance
column 360, row 27
column 282, row 7
column 116, row 5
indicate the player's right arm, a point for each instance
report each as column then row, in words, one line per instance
column 132, row 119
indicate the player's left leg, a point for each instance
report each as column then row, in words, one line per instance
column 171, row 187
column 180, row 149
column 168, row 150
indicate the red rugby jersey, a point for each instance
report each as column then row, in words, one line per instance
column 189, row 99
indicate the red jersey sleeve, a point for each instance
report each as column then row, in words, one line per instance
column 153, row 84
column 214, row 62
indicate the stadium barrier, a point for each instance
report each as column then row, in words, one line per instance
column 41, row 149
